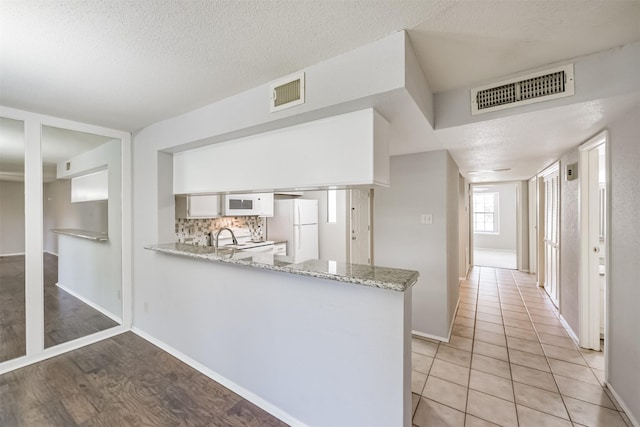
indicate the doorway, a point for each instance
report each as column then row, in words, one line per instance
column 360, row 241
column 593, row 236
column 550, row 232
column 494, row 225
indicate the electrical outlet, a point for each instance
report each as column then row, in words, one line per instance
column 119, row 294
column 426, row 219
column 146, row 307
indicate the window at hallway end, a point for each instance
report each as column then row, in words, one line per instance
column 485, row 213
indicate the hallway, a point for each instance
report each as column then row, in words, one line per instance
column 510, row 362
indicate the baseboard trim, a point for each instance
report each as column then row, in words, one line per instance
column 437, row 337
column 15, row 254
column 246, row 394
column 432, row 337
column 51, row 253
column 569, row 330
column 91, row 304
column 624, row 407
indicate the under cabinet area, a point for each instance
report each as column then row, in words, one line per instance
column 198, row 206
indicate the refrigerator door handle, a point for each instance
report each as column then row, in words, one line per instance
column 299, row 238
column 297, row 220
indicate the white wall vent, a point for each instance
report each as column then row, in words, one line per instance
column 287, row 92
column 536, row 87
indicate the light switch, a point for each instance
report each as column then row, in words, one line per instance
column 426, row 219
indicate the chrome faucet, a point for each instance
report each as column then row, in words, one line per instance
column 233, row 237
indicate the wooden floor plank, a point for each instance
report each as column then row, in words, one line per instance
column 121, row 381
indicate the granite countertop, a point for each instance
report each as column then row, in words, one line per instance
column 83, row 234
column 379, row 277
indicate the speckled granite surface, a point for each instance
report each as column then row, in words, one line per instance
column 84, row 234
column 379, row 277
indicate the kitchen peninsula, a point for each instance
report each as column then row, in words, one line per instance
column 293, row 337
column 313, row 342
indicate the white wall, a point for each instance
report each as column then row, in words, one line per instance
column 623, row 285
column 89, row 269
column 11, row 218
column 59, row 212
column 332, row 238
column 569, row 243
column 506, row 238
column 422, row 183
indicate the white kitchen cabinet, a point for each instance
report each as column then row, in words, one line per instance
column 265, row 204
column 90, row 187
column 198, row 206
column 280, row 249
column 355, row 144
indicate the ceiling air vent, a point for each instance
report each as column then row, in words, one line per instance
column 287, row 92
column 536, row 87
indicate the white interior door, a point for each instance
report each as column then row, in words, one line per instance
column 552, row 234
column 360, row 227
column 533, row 226
column 593, row 235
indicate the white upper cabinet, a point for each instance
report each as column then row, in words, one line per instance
column 346, row 150
column 90, row 187
column 265, row 204
column 198, row 206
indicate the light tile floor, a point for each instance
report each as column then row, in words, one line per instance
column 510, row 362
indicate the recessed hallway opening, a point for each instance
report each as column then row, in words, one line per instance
column 494, row 225
column 509, row 362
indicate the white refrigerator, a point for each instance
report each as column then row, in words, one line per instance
column 296, row 221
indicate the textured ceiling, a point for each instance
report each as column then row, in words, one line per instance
column 126, row 64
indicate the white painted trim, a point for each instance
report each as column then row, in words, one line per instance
column 246, row 394
column 569, row 330
column 15, row 254
column 589, row 299
column 554, row 167
column 497, row 250
column 59, row 349
column 432, row 337
column 34, row 295
column 623, row 405
column 90, row 303
column 51, row 253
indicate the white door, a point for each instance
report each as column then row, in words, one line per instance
column 533, row 226
column 593, row 235
column 552, row 234
column 360, row 227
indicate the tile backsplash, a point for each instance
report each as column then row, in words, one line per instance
column 196, row 231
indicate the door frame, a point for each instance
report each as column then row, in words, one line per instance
column 369, row 206
column 552, row 169
column 588, row 291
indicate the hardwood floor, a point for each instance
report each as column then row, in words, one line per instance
column 66, row 317
column 122, row 381
column 12, row 321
